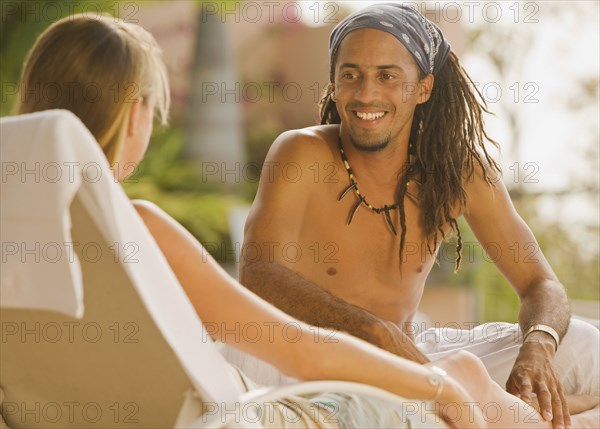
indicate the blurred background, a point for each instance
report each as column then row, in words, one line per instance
column 243, row 72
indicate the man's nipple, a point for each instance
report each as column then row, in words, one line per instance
column 331, row 271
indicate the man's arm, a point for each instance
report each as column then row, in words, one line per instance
column 306, row 301
column 276, row 217
column 494, row 221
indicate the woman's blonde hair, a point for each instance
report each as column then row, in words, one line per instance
column 96, row 68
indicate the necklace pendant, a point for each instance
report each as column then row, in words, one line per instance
column 388, row 218
column 354, row 209
column 345, row 191
column 361, row 198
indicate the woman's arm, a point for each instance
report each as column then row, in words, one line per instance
column 234, row 315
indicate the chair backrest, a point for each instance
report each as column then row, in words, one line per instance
column 123, row 347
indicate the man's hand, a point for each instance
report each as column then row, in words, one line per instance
column 534, row 372
column 392, row 338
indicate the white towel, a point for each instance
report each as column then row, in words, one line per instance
column 37, row 211
column 43, row 155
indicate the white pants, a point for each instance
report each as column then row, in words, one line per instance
column 496, row 344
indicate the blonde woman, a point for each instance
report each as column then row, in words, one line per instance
column 111, row 75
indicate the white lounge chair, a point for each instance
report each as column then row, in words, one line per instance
column 96, row 330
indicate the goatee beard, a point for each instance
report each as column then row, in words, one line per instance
column 376, row 147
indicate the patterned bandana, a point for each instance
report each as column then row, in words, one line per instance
column 421, row 37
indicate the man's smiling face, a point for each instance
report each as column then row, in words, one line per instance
column 377, row 88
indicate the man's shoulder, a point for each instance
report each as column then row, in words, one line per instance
column 483, row 186
column 290, row 173
column 305, row 145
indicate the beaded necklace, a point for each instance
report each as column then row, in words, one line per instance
column 362, row 200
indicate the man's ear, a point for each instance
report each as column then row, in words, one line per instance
column 425, row 88
column 332, row 87
column 134, row 115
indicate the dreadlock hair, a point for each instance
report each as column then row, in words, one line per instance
column 447, row 139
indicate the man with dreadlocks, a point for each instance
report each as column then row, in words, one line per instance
column 400, row 155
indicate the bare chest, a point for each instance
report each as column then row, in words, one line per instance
column 361, row 261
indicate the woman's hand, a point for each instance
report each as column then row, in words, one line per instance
column 467, row 379
column 458, row 408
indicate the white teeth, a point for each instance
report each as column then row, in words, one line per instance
column 370, row 116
